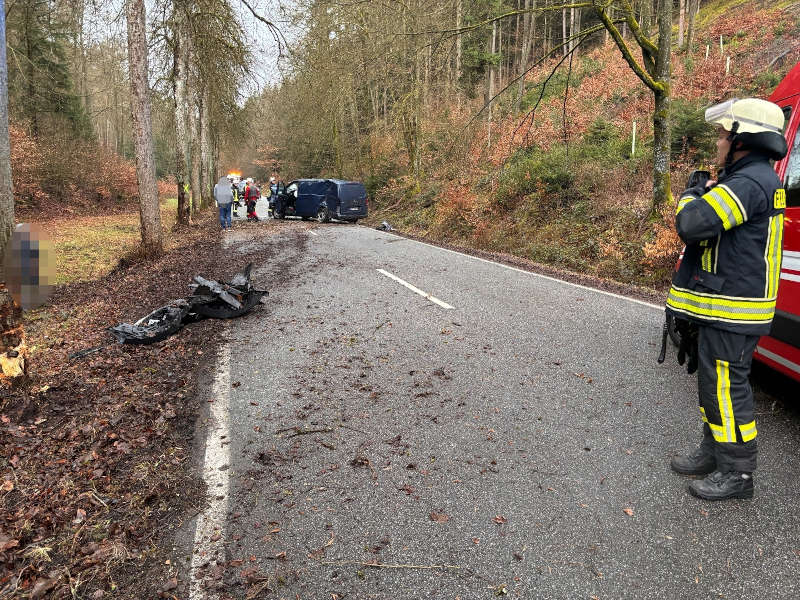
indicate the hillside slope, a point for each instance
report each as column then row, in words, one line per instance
column 557, row 182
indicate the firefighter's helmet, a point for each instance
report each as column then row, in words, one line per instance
column 757, row 124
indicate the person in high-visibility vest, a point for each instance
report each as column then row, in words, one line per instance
column 726, row 288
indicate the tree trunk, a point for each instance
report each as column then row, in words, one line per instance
column 524, row 52
column 490, row 90
column 681, row 21
column 33, row 113
column 548, row 26
column 205, row 187
column 692, row 6
column 180, row 67
column 149, row 213
column 500, row 60
column 564, row 48
column 11, row 330
column 647, row 15
column 458, row 42
column 6, row 189
column 571, row 28
column 662, row 192
column 512, row 52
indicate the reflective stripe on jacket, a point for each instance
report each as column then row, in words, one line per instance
column 729, row 274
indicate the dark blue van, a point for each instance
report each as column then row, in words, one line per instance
column 322, row 199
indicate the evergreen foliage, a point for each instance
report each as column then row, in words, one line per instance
column 40, row 85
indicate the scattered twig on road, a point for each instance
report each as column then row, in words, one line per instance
column 254, row 592
column 299, row 431
column 343, row 563
column 354, row 429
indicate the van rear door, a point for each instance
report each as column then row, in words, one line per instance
column 352, row 200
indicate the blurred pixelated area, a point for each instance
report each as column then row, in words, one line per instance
column 30, row 266
column 29, row 278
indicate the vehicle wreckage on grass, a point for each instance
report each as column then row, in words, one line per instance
column 209, row 299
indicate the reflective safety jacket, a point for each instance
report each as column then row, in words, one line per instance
column 729, row 275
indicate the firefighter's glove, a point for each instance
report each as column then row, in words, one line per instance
column 687, row 351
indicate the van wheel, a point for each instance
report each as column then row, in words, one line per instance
column 323, row 214
column 278, row 214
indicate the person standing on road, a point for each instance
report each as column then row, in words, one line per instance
column 251, row 196
column 726, row 287
column 224, row 197
column 273, row 192
column 235, row 192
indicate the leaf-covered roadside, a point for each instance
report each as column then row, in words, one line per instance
column 95, row 453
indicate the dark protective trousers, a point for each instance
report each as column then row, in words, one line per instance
column 726, row 399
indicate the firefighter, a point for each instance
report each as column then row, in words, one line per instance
column 726, row 286
column 235, row 193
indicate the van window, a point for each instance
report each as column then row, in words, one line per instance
column 792, row 179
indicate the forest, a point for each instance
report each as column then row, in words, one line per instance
column 494, row 124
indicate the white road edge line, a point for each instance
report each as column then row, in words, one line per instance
column 416, row 290
column 313, row 233
column 209, row 535
column 547, row 277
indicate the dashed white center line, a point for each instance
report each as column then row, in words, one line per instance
column 209, row 535
column 415, row 289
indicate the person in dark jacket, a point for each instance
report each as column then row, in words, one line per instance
column 726, row 288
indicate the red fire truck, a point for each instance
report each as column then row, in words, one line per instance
column 781, row 348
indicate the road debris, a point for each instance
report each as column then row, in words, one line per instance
column 210, row 299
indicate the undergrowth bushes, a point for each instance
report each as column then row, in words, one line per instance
column 66, row 171
column 586, row 205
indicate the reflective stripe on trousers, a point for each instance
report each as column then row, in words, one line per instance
column 726, row 399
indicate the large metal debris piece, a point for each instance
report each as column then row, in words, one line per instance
column 212, row 299
column 158, row 325
column 207, row 288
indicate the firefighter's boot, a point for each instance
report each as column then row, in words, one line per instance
column 699, row 462
column 723, row 486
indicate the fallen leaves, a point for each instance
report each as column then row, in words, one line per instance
column 628, row 511
column 500, row 520
column 98, row 445
column 7, row 542
column 439, row 517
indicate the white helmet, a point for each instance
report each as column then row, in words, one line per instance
column 757, row 124
column 753, row 115
column 249, row 180
column 272, row 180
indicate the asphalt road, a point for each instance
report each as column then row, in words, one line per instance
column 517, row 443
